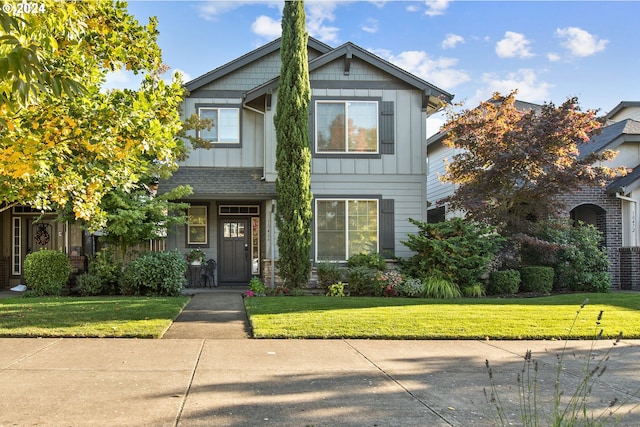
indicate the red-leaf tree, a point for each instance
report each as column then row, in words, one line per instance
column 512, row 165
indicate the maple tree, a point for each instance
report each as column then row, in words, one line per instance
column 64, row 142
column 513, row 166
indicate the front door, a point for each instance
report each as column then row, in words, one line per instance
column 234, row 265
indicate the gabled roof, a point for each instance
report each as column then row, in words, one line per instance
column 621, row 106
column 625, row 184
column 434, row 97
column 612, row 136
column 248, row 58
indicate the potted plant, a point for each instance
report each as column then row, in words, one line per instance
column 195, row 256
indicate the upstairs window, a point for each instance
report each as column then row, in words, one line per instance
column 226, row 124
column 346, row 127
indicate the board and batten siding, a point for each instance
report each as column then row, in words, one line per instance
column 404, row 190
column 248, row 153
column 437, row 157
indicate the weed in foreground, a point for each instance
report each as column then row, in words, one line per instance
column 567, row 411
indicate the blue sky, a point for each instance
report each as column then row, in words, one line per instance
column 548, row 50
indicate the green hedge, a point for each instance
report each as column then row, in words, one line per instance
column 536, row 279
column 47, row 272
column 504, row 282
column 155, row 274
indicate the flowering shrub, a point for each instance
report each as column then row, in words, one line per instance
column 256, row 287
column 248, row 294
column 387, row 282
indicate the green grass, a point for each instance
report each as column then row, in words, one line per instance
column 120, row 317
column 549, row 317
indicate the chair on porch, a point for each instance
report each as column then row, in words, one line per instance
column 208, row 274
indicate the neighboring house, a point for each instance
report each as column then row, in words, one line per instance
column 368, row 173
column 613, row 209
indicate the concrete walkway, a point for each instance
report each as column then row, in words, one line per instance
column 246, row 382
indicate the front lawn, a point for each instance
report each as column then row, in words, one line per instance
column 548, row 317
column 139, row 317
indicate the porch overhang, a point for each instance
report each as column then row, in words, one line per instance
column 221, row 183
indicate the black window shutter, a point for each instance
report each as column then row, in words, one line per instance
column 387, row 128
column 387, row 227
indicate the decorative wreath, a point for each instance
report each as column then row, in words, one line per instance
column 42, row 236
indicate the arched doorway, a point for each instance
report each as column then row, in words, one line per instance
column 593, row 215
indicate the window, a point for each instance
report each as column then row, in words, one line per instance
column 226, row 124
column 345, row 228
column 347, row 127
column 197, row 225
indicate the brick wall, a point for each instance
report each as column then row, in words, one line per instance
column 609, row 221
column 630, row 268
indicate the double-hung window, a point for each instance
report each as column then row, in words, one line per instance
column 197, row 225
column 226, row 124
column 346, row 227
column 346, row 127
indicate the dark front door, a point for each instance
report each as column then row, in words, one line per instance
column 234, row 265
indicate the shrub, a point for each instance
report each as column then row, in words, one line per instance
column 536, row 279
column 103, row 275
column 90, row 284
column 582, row 263
column 410, row 288
column 257, row 287
column 437, row 287
column 457, row 249
column 336, row 290
column 375, row 261
column 504, row 282
column 386, row 283
column 155, row 273
column 47, row 272
column 328, row 274
column 362, row 281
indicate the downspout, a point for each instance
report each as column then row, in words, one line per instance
column 635, row 213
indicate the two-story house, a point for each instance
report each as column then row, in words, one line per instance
column 368, row 173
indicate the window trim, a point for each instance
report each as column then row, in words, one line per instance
column 206, row 226
column 348, row 199
column 236, row 107
column 344, row 154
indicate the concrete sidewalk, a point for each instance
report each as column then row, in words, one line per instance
column 243, row 382
column 228, row 381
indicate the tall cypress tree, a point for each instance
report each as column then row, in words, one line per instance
column 293, row 155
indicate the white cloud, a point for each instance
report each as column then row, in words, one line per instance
column 451, row 41
column 212, row 9
column 371, row 26
column 525, row 80
column 267, row 27
column 436, row 7
column 553, row 57
column 580, row 42
column 513, row 45
column 318, row 13
column 440, row 72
